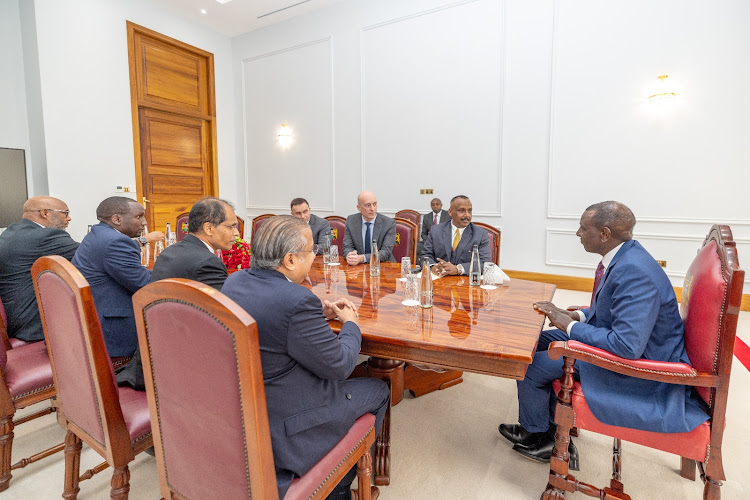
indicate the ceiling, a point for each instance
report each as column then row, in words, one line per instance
column 240, row 16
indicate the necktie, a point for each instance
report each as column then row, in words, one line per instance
column 456, row 239
column 368, row 238
column 597, row 280
column 434, row 220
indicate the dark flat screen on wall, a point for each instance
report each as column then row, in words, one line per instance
column 13, row 191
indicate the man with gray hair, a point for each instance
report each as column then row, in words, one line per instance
column 311, row 404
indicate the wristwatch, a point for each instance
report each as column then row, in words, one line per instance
column 142, row 240
column 460, row 269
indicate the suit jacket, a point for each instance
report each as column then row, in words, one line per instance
column 635, row 315
column 427, row 222
column 21, row 244
column 383, row 232
column 320, row 228
column 439, row 245
column 304, row 364
column 111, row 263
column 190, row 259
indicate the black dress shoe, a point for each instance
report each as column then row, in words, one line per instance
column 519, row 436
column 542, row 451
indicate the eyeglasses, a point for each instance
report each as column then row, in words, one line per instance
column 64, row 212
column 314, row 249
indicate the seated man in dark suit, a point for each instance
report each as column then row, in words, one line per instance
column 319, row 226
column 110, row 260
column 40, row 232
column 436, row 216
column 365, row 227
column 449, row 244
column 310, row 402
column 212, row 226
column 633, row 314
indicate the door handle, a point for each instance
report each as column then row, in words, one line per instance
column 145, row 200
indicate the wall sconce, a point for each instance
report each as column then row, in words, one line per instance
column 284, row 137
column 664, row 92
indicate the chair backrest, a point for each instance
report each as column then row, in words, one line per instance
column 257, row 222
column 82, row 371
column 241, row 226
column 412, row 216
column 338, row 227
column 407, row 236
column 181, row 225
column 181, row 325
column 710, row 304
column 494, row 234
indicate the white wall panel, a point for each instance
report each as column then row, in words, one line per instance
column 431, row 106
column 292, row 85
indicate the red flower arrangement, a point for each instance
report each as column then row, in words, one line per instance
column 238, row 257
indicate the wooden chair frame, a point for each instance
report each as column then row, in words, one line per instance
column 414, row 237
column 495, row 250
column 417, row 216
column 117, row 449
column 712, row 470
column 252, row 392
column 179, row 234
column 342, row 220
column 254, row 224
column 241, row 226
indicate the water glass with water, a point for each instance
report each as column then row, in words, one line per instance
column 490, row 275
column 411, row 291
column 405, row 267
column 333, row 257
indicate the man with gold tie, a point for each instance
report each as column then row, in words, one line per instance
column 449, row 244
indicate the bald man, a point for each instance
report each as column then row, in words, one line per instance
column 365, row 227
column 40, row 232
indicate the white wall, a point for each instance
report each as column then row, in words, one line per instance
column 83, row 64
column 533, row 109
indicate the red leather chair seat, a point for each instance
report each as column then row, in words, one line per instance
column 28, row 369
column 303, row 487
column 135, row 412
column 693, row 444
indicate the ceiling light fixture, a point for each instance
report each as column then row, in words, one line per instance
column 284, row 137
column 664, row 92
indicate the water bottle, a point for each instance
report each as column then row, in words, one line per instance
column 425, row 285
column 169, row 236
column 374, row 260
column 475, row 269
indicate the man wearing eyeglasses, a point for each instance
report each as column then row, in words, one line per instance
column 40, row 232
column 310, row 402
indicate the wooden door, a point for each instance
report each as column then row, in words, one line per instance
column 174, row 124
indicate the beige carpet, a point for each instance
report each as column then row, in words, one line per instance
column 446, row 446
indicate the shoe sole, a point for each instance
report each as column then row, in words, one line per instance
column 543, row 460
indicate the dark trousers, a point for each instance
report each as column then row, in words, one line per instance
column 536, row 398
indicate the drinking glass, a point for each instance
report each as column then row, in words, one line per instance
column 333, row 258
column 411, row 291
column 145, row 254
column 489, row 278
column 158, row 248
column 405, row 267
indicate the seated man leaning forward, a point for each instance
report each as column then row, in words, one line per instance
column 40, row 232
column 450, row 243
column 110, row 260
column 311, row 404
column 212, row 226
column 633, row 314
column 365, row 227
column 319, row 226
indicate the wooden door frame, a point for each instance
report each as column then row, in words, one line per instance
column 210, row 117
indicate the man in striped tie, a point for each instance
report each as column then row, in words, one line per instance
column 633, row 314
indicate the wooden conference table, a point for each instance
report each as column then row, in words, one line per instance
column 493, row 332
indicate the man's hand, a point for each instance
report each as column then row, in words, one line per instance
column 343, row 311
column 155, row 236
column 342, row 303
column 559, row 318
column 443, row 268
column 353, row 258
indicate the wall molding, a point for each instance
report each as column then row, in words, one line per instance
column 326, row 39
column 501, row 51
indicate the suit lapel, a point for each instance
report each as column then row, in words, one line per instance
column 611, row 266
column 447, row 240
column 463, row 244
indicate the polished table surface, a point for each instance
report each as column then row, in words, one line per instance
column 484, row 331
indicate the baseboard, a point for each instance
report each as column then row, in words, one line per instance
column 586, row 284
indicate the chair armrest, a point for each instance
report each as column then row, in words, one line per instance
column 4, row 337
column 660, row 371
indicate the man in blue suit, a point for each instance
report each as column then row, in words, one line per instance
column 449, row 244
column 311, row 404
column 633, row 314
column 110, row 260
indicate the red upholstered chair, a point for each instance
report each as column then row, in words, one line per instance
column 113, row 421
column 710, row 305
column 412, row 216
column 181, row 225
column 8, row 342
column 407, row 235
column 338, row 228
column 241, row 226
column 494, row 234
column 25, row 379
column 199, row 449
column 256, row 223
